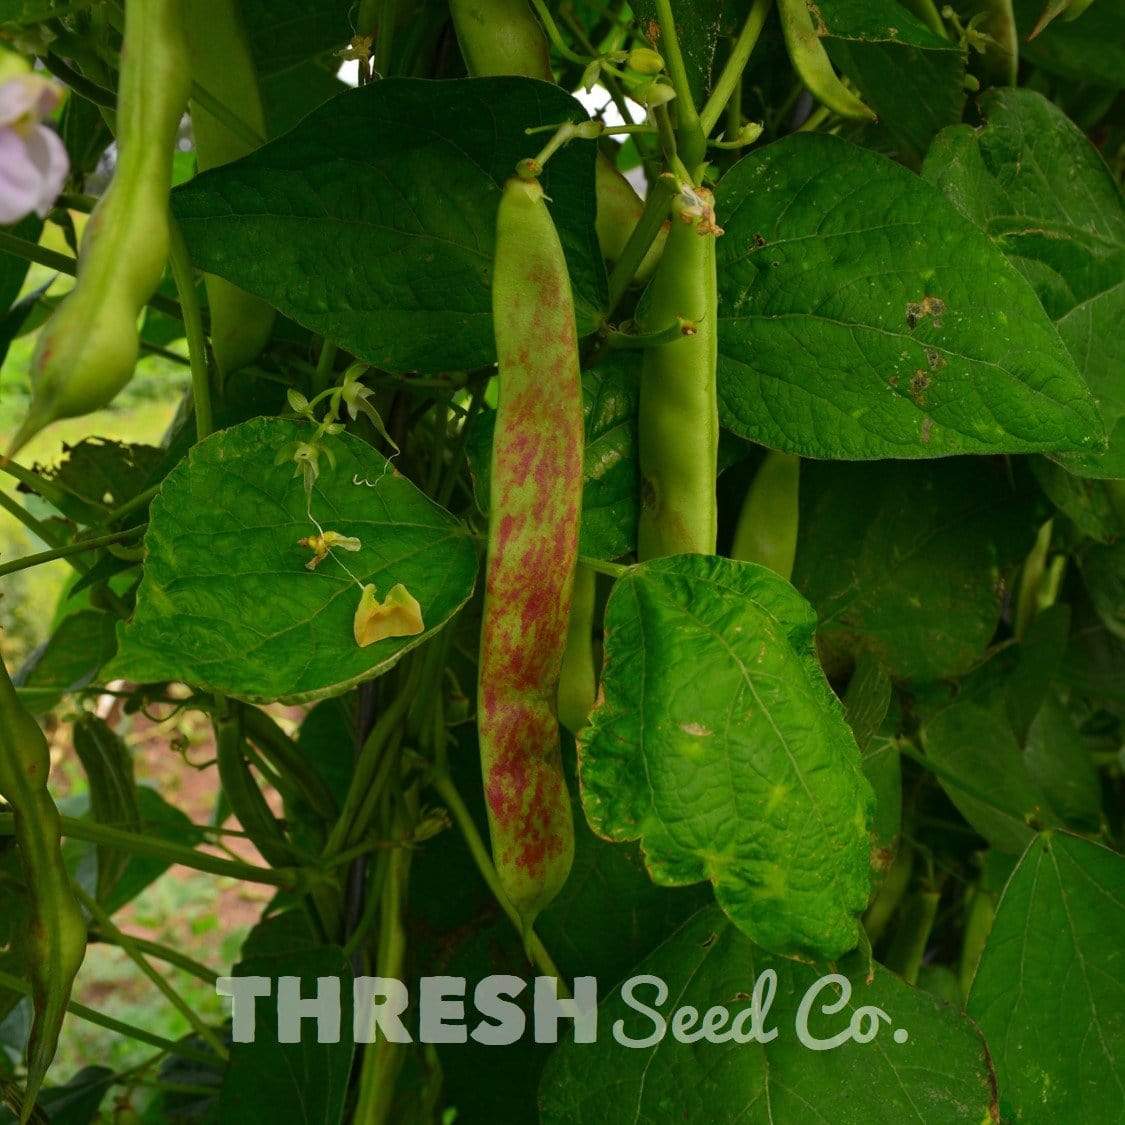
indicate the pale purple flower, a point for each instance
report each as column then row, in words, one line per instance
column 33, row 160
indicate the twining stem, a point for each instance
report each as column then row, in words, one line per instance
column 536, row 950
column 184, row 276
column 135, row 955
column 692, row 139
column 92, row 1015
column 137, row 844
column 161, row 952
column 644, row 234
column 63, row 263
column 29, row 561
column 730, row 79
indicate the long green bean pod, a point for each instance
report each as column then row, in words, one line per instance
column 222, row 64
column 86, row 352
column 811, row 62
column 56, row 938
column 679, row 411
column 766, row 532
column 537, row 460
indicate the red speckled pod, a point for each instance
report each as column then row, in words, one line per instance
column 536, row 499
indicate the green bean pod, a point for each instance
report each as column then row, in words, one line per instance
column 811, row 62
column 679, row 410
column 536, row 497
column 88, row 349
column 501, row 37
column 504, row 37
column 766, row 532
column 578, row 679
column 222, row 64
column 56, row 939
column 245, row 798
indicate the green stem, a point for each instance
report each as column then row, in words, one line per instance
column 137, row 957
column 91, row 1015
column 131, row 505
column 613, row 570
column 29, row 561
column 137, row 844
column 226, row 117
column 184, row 275
column 91, row 91
column 445, row 788
column 555, row 36
column 916, row 923
column 927, row 12
column 325, row 363
column 644, row 234
column 160, row 952
column 693, row 143
column 730, row 80
column 63, row 263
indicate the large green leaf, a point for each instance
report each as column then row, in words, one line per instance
column 227, row 602
column 910, row 76
column 1037, row 187
column 977, row 760
column 373, row 221
column 284, row 33
column 609, row 492
column 1049, row 992
column 937, row 1075
column 68, row 660
column 862, row 316
column 905, row 560
column 719, row 744
column 1088, row 49
column 306, row 1081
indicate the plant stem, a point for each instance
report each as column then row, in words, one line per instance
column 160, row 952
column 730, row 79
column 555, row 36
column 184, row 275
column 29, row 561
column 692, row 139
column 640, row 241
column 325, row 362
column 537, row 951
column 137, row 957
column 137, row 844
column 614, row 570
column 91, row 1015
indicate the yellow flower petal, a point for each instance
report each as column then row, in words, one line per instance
column 398, row 615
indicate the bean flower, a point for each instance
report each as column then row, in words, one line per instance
column 33, row 160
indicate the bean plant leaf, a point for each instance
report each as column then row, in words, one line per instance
column 720, row 746
column 939, row 1073
column 908, row 562
column 305, row 1080
column 970, row 747
column 284, row 33
column 861, row 316
column 227, row 601
column 69, row 660
column 1089, row 49
column 373, row 221
column 908, row 74
column 1044, row 196
column 1055, row 959
column 1061, row 766
column 609, row 494
column 1103, row 569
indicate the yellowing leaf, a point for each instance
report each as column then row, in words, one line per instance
column 398, row 615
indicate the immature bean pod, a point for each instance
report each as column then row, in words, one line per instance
column 222, row 64
column 811, row 62
column 56, row 938
column 87, row 350
column 766, row 532
column 504, row 37
column 578, row 679
column 536, row 491
column 679, row 411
